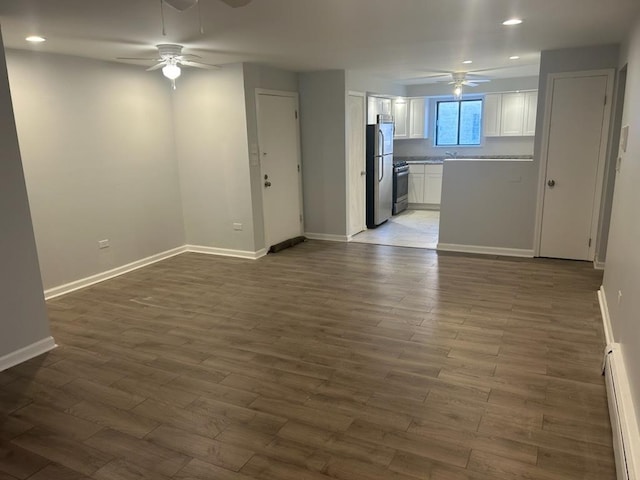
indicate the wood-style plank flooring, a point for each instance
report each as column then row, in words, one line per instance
column 344, row 361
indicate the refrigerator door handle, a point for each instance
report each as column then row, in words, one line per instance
column 381, row 133
column 380, row 168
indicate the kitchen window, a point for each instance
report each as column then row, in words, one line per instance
column 458, row 122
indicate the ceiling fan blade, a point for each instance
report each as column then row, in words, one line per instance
column 156, row 67
column 236, row 3
column 181, row 5
column 470, row 84
column 188, row 56
column 148, row 59
column 188, row 63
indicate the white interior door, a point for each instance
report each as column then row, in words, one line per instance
column 577, row 140
column 278, row 136
column 356, row 163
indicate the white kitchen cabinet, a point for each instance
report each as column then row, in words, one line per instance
column 416, row 183
column 425, row 184
column 530, row 111
column 410, row 116
column 512, row 121
column 510, row 114
column 432, row 184
column 492, row 114
column 377, row 106
column 401, row 118
column 418, row 119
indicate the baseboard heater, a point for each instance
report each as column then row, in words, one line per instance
column 626, row 436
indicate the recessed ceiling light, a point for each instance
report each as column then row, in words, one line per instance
column 467, row 62
column 514, row 57
column 35, row 39
column 512, row 21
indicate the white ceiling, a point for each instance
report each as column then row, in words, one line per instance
column 402, row 40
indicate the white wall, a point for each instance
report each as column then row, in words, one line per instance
column 213, row 158
column 622, row 273
column 98, row 153
column 258, row 76
column 323, row 136
column 24, row 317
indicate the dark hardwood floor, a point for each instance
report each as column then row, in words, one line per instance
column 327, row 360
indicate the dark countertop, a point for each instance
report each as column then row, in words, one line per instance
column 437, row 160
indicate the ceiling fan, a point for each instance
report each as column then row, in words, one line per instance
column 171, row 60
column 182, row 5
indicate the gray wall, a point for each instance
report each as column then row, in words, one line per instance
column 24, row 317
column 323, row 136
column 491, row 146
column 363, row 82
column 488, row 203
column 494, row 86
column 622, row 273
column 257, row 76
column 213, row 158
column 98, row 152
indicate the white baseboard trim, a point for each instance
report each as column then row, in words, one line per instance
column 225, row 252
column 598, row 265
column 606, row 319
column 115, row 272
column 624, row 426
column 327, row 237
column 508, row 252
column 27, row 353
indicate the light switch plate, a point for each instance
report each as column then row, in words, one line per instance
column 624, row 138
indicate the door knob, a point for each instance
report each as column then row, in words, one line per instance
column 551, row 183
column 363, row 173
column 267, row 183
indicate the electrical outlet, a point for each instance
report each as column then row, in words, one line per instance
column 103, row 243
column 619, row 296
column 237, row 226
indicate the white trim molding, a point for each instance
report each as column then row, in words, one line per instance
column 506, row 252
column 225, row 252
column 606, row 319
column 115, row 272
column 27, row 353
column 598, row 265
column 327, row 237
column 624, row 426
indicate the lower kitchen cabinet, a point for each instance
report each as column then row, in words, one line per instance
column 432, row 184
column 425, row 184
column 416, row 187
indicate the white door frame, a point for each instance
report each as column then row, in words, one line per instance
column 352, row 93
column 602, row 157
column 294, row 95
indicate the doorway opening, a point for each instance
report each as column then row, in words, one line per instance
column 410, row 228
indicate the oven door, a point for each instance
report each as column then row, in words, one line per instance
column 400, row 188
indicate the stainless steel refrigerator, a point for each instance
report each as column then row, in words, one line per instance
column 379, row 171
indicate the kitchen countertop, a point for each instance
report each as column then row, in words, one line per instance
column 438, row 160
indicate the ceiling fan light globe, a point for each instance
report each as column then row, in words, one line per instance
column 171, row 71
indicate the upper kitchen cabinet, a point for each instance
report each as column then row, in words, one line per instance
column 410, row 116
column 377, row 106
column 510, row 114
column 400, row 118
column 492, row 114
column 512, row 121
column 530, row 110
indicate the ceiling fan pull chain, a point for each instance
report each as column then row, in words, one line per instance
column 200, row 19
column 164, row 32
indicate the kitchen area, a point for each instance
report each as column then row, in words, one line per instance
column 438, row 140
